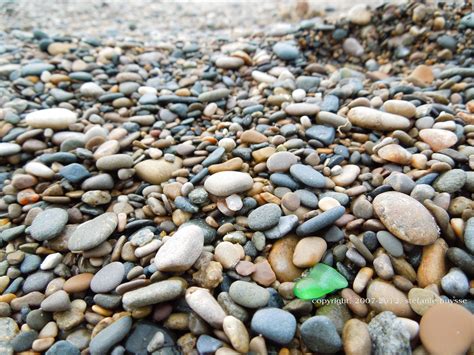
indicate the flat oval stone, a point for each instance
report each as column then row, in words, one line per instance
column 386, row 297
column 181, row 250
column 370, row 118
column 7, row 149
column 320, row 335
column 301, row 109
column 49, row 224
column 406, row 218
column 114, row 162
column 226, row 183
column 450, row 181
column 438, row 139
column 93, row 233
column 274, row 324
column 286, row 51
column 349, row 174
column 281, row 161
column 307, row 175
column 400, row 107
column 395, row 153
column 249, row 294
column 108, row 278
column 54, row 118
column 264, row 217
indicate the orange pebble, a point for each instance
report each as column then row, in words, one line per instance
column 27, row 196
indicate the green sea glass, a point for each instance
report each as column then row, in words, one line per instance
column 321, row 280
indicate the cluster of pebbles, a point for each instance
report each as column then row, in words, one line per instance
column 167, row 199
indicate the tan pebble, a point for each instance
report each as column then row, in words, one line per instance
column 432, row 267
column 422, row 299
column 258, row 346
column 42, row 344
column 355, row 303
column 362, row 279
column 385, row 297
column 326, row 203
column 395, row 153
column 206, row 306
column 50, row 330
column 78, row 283
column 237, row 333
column 245, row 268
column 253, row 137
column 291, row 201
column 264, row 274
column 229, row 254
column 281, row 259
column 400, row 107
column 309, row 251
column 438, row 139
column 423, row 74
column 356, row 338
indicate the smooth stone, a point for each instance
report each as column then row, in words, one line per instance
column 37, row 281
column 249, row 294
column 321, row 280
column 455, row 283
column 181, row 250
column 227, row 62
column 264, row 217
column 320, row 221
column 385, row 297
column 92, row 233
column 206, row 306
column 157, row 292
column 226, row 183
column 108, row 278
column 74, row 173
column 356, row 338
column 207, row 344
column 324, row 134
column 63, row 347
column 23, row 340
column 274, row 324
column 36, row 69
column 286, row 51
column 446, row 328
column 301, row 109
column 78, row 283
column 433, row 263
column 142, row 334
column 7, row 149
column 461, row 259
column 98, row 182
column 359, row 14
column 309, row 251
column 214, row 95
column 422, row 299
column 377, row 120
column 348, row 175
column 390, row 243
column 119, row 161
column 56, row 302
column 110, row 336
column 400, row 107
column 281, row 161
column 450, row 181
column 406, row 218
column 469, row 234
column 281, row 259
column 438, row 139
column 285, row 225
column 307, row 175
column 320, row 335
column 389, row 335
column 395, row 153
column 54, row 118
column 48, row 224
column 237, row 334
column 228, row 254
column 400, row 182
column 352, row 47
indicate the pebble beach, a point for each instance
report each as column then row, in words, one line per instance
column 236, row 178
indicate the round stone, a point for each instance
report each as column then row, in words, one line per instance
column 108, row 278
column 395, row 153
column 385, row 297
column 286, row 51
column 281, row 161
column 274, row 324
column 309, row 251
column 446, row 328
column 455, row 283
column 49, row 224
column 406, row 218
column 264, row 217
column 249, row 294
column 226, row 183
